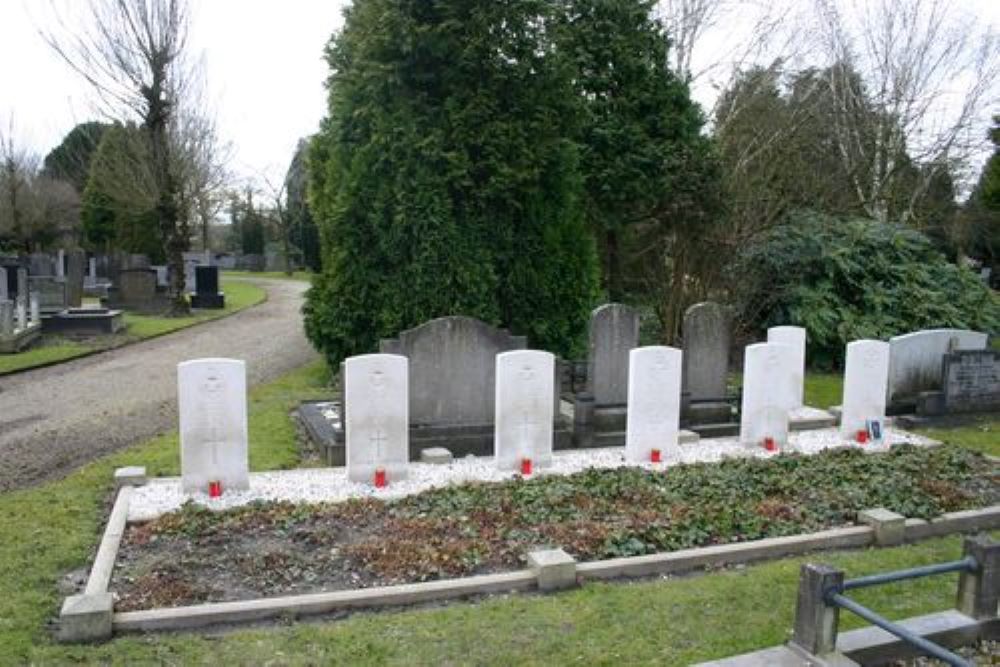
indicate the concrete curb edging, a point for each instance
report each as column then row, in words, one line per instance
column 90, row 616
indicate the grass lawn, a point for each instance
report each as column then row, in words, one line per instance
column 49, row 530
column 304, row 276
column 239, row 295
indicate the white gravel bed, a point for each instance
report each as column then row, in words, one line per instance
column 311, row 485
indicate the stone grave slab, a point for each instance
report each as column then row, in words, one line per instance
column 654, row 402
column 212, row 401
column 377, row 433
column 525, row 382
column 972, row 381
column 866, row 376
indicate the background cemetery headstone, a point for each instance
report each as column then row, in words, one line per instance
column 614, row 331
column 866, row 375
column 915, row 362
column 206, row 285
column 654, row 402
column 377, row 421
column 75, row 267
column 971, row 381
column 764, row 412
column 525, row 382
column 51, row 293
column 212, row 403
column 136, row 291
column 707, row 339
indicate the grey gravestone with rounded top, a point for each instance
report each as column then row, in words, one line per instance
column 706, row 332
column 915, row 359
column 614, row 332
column 452, row 369
column 75, row 268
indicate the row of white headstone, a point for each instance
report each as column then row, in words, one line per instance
column 213, row 413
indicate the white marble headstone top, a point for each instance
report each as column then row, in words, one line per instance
column 212, row 398
column 654, row 402
column 764, row 411
column 866, row 377
column 524, row 408
column 796, row 371
column 376, row 388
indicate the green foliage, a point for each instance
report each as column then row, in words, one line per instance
column 116, row 211
column 70, row 160
column 443, row 178
column 639, row 132
column 303, row 234
column 619, row 512
column 845, row 280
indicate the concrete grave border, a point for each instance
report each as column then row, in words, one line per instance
column 90, row 616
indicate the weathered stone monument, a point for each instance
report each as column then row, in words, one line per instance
column 136, row 291
column 794, row 337
column 377, row 433
column 971, row 381
column 51, row 293
column 764, row 411
column 915, row 362
column 76, row 261
column 654, row 402
column 212, row 401
column 525, row 384
column 614, row 331
column 706, row 331
column 206, row 283
column 866, row 375
column 452, row 378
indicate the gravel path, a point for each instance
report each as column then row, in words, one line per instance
column 54, row 420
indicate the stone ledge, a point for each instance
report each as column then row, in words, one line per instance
column 198, row 616
column 86, row 618
column 725, row 554
column 966, row 521
column 130, row 476
column 555, row 569
column 890, row 528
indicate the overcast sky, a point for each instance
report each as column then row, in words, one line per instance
column 264, row 71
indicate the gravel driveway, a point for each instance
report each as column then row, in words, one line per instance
column 54, row 420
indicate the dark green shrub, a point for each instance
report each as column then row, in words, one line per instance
column 848, row 279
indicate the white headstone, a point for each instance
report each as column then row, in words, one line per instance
column 764, row 411
column 377, row 417
column 795, row 375
column 35, row 309
column 524, row 408
column 654, row 401
column 61, row 263
column 866, row 376
column 212, row 399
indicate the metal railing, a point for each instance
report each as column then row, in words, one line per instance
column 822, row 594
column 835, row 596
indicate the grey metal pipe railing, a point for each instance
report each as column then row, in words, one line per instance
column 924, row 645
column 967, row 564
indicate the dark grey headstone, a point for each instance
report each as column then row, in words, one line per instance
column 206, row 279
column 971, row 381
column 706, row 332
column 137, row 261
column 41, row 264
column 452, row 369
column 76, row 266
column 614, row 331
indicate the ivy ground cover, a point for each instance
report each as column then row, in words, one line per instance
column 196, row 555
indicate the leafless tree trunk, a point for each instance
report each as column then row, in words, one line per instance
column 133, row 53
